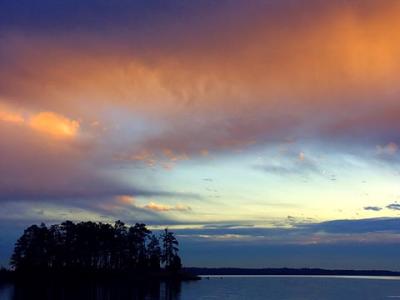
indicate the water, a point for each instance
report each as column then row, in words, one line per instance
column 227, row 287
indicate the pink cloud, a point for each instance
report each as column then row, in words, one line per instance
column 163, row 208
column 388, row 149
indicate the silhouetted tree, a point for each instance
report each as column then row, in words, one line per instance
column 176, row 263
column 170, row 250
column 119, row 254
column 137, row 237
column 32, row 249
column 154, row 253
column 94, row 246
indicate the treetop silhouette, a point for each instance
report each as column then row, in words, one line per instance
column 91, row 246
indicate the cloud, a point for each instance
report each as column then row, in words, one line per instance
column 126, row 199
column 300, row 236
column 372, row 225
column 388, row 149
column 163, row 208
column 47, row 122
column 75, row 164
column 166, row 158
column 373, row 208
column 291, row 164
column 54, row 124
column 393, row 206
column 9, row 116
column 190, row 90
column 208, row 179
column 299, row 232
column 285, row 170
column 180, row 95
column 227, row 226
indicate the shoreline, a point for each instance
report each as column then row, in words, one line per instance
column 366, row 277
column 288, row 272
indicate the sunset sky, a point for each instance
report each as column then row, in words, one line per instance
column 263, row 132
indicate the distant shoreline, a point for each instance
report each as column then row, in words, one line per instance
column 289, row 271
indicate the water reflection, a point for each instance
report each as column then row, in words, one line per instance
column 115, row 291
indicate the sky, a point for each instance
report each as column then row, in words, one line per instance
column 263, row 133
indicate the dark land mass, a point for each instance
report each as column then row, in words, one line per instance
column 94, row 252
column 289, row 271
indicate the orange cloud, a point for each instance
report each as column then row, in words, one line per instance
column 278, row 74
column 47, row 122
column 172, row 156
column 160, row 207
column 11, row 117
column 166, row 158
column 342, row 49
column 146, row 156
column 126, row 199
column 54, row 124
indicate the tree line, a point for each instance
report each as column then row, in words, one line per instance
column 95, row 246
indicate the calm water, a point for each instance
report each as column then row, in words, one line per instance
column 234, row 288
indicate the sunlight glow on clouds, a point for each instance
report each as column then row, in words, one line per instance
column 46, row 122
column 287, row 108
column 54, row 124
column 12, row 117
column 160, row 207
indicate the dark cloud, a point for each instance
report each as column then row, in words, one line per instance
column 100, row 15
column 393, row 206
column 373, row 208
column 301, row 231
column 371, row 225
column 94, row 15
column 227, row 226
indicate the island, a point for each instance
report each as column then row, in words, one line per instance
column 95, row 251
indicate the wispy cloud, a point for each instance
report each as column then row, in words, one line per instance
column 393, row 206
column 373, row 208
column 291, row 164
column 371, row 230
column 162, row 207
